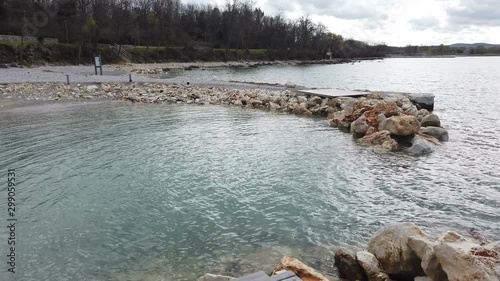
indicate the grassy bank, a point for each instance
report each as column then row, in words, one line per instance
column 179, row 54
column 58, row 54
column 63, row 54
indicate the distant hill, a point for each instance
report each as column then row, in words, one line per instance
column 473, row 45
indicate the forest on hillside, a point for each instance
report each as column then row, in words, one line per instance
column 165, row 30
column 170, row 23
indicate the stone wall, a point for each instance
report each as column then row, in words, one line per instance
column 27, row 39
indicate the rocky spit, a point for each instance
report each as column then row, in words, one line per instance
column 384, row 121
column 159, row 68
column 403, row 252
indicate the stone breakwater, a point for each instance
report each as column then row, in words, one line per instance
column 385, row 121
column 160, row 68
column 403, row 252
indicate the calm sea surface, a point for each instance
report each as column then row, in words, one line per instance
column 114, row 191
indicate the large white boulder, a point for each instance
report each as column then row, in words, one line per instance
column 424, row 249
column 467, row 261
column 390, row 246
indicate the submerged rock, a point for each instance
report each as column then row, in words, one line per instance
column 400, row 125
column 439, row 133
column 347, row 266
column 389, row 246
column 425, row 101
column 303, row 271
column 420, row 146
column 371, row 266
column 213, row 277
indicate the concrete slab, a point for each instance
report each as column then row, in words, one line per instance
column 333, row 93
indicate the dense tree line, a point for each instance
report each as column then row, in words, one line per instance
column 441, row 50
column 169, row 23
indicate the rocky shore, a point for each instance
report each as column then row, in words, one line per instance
column 403, row 252
column 384, row 121
column 159, row 68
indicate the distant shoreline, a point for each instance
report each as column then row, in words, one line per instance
column 439, row 56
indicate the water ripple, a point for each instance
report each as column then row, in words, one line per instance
column 113, row 191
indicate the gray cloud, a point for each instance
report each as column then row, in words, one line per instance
column 423, row 23
column 475, row 12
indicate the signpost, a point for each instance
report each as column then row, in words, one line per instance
column 98, row 63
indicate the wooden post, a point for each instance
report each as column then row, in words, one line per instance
column 100, row 60
column 130, row 78
column 98, row 63
column 67, row 79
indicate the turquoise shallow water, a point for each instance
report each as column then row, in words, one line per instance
column 114, row 191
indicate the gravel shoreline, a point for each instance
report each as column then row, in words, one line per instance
column 387, row 121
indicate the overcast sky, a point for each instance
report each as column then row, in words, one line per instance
column 396, row 22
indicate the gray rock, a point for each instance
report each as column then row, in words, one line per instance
column 213, row 277
column 411, row 111
column 424, row 249
column 273, row 106
column 257, row 103
column 420, row 147
column 372, row 267
column 348, row 103
column 400, row 125
column 133, row 98
column 290, row 85
column 301, row 109
column 431, row 120
column 425, row 101
column 359, row 127
column 389, row 245
column 312, row 102
column 439, row 133
column 301, row 99
column 347, row 266
column 406, row 106
column 421, row 114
